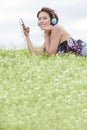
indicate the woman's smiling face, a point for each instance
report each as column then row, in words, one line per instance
column 44, row 20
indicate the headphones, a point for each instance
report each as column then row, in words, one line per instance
column 54, row 21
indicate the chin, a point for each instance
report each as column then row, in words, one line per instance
column 42, row 28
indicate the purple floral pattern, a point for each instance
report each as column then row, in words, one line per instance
column 74, row 46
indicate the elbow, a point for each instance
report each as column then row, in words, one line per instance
column 51, row 52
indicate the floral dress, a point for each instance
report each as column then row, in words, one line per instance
column 78, row 47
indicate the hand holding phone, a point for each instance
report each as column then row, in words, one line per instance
column 26, row 30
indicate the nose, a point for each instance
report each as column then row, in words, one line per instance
column 41, row 20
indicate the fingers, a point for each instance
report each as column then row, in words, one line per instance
column 25, row 30
column 23, row 26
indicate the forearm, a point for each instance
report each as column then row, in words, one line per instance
column 47, row 43
column 29, row 44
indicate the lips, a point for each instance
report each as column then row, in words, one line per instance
column 42, row 24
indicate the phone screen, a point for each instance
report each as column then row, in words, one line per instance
column 21, row 21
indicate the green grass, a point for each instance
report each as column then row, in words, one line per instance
column 42, row 92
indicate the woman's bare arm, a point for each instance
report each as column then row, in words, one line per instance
column 54, row 40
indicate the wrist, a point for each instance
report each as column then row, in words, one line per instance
column 47, row 33
column 26, row 36
column 46, row 36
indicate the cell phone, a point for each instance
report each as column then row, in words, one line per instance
column 21, row 21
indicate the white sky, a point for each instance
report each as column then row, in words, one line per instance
column 72, row 15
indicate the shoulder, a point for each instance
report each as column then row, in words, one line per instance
column 57, row 30
column 60, row 29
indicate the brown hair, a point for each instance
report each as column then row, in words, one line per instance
column 50, row 11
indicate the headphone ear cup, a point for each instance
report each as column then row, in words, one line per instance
column 54, row 21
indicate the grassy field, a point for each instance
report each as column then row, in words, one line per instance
column 42, row 92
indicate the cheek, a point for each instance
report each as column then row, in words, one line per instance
column 48, row 22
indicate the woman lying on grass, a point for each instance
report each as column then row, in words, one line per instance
column 56, row 38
